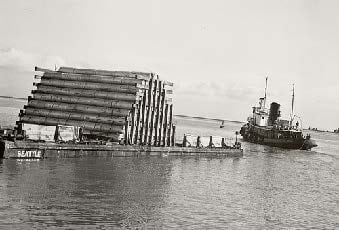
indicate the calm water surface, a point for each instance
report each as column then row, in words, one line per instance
column 268, row 188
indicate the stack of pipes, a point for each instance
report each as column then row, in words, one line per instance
column 120, row 106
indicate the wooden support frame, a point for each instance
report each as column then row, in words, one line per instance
column 133, row 125
column 165, row 131
column 143, row 117
column 161, row 118
column 149, row 109
column 138, row 121
column 126, row 136
column 173, row 139
column 170, row 125
column 158, row 111
column 154, row 109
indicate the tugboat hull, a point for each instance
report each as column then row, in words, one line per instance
column 291, row 142
column 286, row 144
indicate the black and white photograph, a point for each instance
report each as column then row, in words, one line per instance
column 158, row 114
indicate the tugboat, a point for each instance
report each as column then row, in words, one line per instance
column 264, row 127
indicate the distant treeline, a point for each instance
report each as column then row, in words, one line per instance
column 318, row 130
column 205, row 118
column 10, row 97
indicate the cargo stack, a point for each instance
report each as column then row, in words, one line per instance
column 116, row 106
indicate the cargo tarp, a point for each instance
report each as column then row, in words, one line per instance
column 68, row 133
column 191, row 140
column 217, row 141
column 39, row 132
column 205, row 141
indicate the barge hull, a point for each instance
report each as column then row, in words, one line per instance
column 25, row 149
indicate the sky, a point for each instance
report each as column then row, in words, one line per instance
column 217, row 53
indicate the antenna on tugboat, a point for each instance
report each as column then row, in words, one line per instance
column 265, row 93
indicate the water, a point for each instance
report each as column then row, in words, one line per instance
column 9, row 111
column 268, row 188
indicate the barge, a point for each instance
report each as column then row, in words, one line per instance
column 87, row 112
column 24, row 149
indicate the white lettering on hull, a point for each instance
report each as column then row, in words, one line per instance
column 30, row 154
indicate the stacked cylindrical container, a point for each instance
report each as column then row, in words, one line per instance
column 117, row 106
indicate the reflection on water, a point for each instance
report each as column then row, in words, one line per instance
column 269, row 188
column 89, row 192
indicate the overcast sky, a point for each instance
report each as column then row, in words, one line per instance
column 217, row 53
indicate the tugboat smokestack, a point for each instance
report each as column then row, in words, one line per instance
column 274, row 113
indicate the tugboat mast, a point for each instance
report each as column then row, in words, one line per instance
column 265, row 94
column 292, row 110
